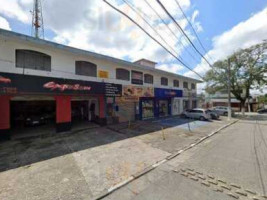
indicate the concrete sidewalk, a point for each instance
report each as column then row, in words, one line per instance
column 88, row 163
column 230, row 165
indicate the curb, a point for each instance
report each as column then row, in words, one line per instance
column 154, row 166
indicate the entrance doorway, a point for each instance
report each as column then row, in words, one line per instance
column 31, row 117
column 79, row 111
column 84, row 110
column 163, row 108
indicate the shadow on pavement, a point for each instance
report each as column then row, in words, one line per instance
column 28, row 150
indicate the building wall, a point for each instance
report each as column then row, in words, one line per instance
column 63, row 64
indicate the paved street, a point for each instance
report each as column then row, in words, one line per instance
column 230, row 165
column 82, row 165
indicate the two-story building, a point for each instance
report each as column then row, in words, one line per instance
column 54, row 82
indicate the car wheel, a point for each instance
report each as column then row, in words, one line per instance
column 183, row 116
column 225, row 113
column 202, row 118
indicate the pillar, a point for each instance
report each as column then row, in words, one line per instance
column 63, row 113
column 102, row 115
column 4, row 117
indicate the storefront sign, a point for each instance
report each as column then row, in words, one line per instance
column 165, row 93
column 27, row 84
column 113, row 90
column 62, row 87
column 103, row 74
column 133, row 93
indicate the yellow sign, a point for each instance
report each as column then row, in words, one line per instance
column 103, row 74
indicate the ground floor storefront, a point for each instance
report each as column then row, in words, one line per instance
column 166, row 102
column 30, row 101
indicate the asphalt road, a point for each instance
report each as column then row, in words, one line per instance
column 230, row 165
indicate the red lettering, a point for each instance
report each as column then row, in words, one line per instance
column 62, row 87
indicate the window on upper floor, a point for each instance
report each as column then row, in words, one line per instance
column 149, row 78
column 122, row 74
column 164, row 81
column 29, row 59
column 175, row 83
column 137, row 77
column 185, row 85
column 193, row 86
column 85, row 68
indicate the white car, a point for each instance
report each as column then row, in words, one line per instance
column 222, row 110
column 197, row 113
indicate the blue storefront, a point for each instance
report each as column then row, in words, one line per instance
column 159, row 105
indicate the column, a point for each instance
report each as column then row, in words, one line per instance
column 102, row 115
column 4, row 117
column 63, row 113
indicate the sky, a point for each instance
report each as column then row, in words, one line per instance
column 222, row 26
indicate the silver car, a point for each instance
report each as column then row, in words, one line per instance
column 222, row 110
column 197, row 113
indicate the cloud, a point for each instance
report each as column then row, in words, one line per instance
column 17, row 9
column 243, row 35
column 92, row 25
column 4, row 24
column 174, row 68
column 194, row 16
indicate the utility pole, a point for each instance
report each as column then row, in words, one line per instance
column 229, row 90
column 37, row 20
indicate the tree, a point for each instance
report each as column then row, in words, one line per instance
column 262, row 100
column 248, row 70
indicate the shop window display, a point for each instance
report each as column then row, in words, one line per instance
column 147, row 109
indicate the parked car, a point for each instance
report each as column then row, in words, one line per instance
column 262, row 111
column 34, row 120
column 222, row 110
column 197, row 113
column 213, row 114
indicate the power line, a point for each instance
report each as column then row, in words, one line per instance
column 132, row 7
column 191, row 25
column 132, row 20
column 167, row 12
column 163, row 21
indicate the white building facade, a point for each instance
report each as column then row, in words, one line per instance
column 73, row 83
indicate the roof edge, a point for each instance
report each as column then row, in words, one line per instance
column 24, row 37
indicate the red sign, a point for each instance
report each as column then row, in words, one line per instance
column 4, row 80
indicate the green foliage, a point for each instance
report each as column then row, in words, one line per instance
column 263, row 99
column 248, row 69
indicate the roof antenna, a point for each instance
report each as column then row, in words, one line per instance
column 37, row 20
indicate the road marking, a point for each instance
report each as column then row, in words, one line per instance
column 194, row 178
column 225, row 187
column 218, row 190
column 213, row 182
column 241, row 193
column 233, row 195
column 236, row 186
column 205, row 183
column 251, row 192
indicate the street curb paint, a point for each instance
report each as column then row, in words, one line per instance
column 154, row 166
column 120, row 184
column 159, row 163
column 143, row 172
